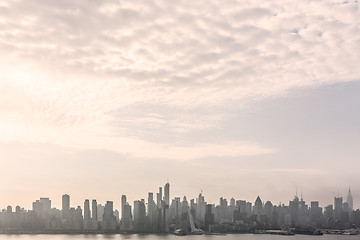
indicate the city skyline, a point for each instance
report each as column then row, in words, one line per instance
column 104, row 98
column 118, row 202
column 182, row 216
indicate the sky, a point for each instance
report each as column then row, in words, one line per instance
column 229, row 97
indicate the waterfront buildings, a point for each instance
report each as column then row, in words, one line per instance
column 166, row 215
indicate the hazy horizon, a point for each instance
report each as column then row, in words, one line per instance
column 57, row 201
column 235, row 98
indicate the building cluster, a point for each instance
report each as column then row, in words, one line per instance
column 161, row 215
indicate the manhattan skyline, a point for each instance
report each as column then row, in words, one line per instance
column 118, row 203
column 162, row 213
column 234, row 97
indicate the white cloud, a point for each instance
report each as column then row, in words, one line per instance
column 137, row 148
column 73, row 69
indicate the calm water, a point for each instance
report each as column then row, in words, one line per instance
column 173, row 237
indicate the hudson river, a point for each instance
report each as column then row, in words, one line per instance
column 173, row 237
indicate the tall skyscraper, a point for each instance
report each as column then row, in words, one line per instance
column 338, row 207
column 94, row 209
column 166, row 206
column 232, row 202
column 150, row 197
column 159, row 197
column 329, row 212
column 315, row 213
column 139, row 216
column 109, row 220
column 123, row 203
column 151, row 211
column 349, row 200
column 200, row 209
column 65, row 202
column 126, row 218
column 184, row 206
column 268, row 209
column 209, row 216
column 77, row 218
column 167, row 194
column 108, row 210
column 258, row 208
column 86, row 209
column 294, row 211
column 100, row 212
column 117, row 215
column 65, row 206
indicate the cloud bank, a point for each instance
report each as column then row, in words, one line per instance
column 107, row 73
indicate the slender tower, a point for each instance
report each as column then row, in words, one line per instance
column 65, row 206
column 87, row 210
column 94, row 209
column 167, row 194
column 166, row 206
column 349, row 200
column 159, row 197
column 123, row 203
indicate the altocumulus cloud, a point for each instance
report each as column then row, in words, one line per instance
column 112, row 71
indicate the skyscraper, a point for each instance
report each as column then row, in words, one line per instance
column 87, row 219
column 151, row 211
column 126, row 218
column 65, row 202
column 167, row 194
column 65, row 206
column 294, row 211
column 77, row 219
column 349, row 200
column 100, row 212
column 338, row 207
column 123, row 203
column 209, row 216
column 200, row 209
column 159, row 197
column 37, row 207
column 94, row 209
column 166, row 206
column 139, row 216
column 258, row 208
column 108, row 210
column 46, row 203
column 86, row 209
column 109, row 220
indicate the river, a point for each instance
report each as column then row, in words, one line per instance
column 173, row 237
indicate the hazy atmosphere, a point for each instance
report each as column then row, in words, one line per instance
column 234, row 98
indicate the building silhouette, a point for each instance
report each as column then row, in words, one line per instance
column 169, row 215
column 109, row 220
column 349, row 200
column 94, row 209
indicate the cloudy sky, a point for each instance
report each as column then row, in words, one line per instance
column 236, row 98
